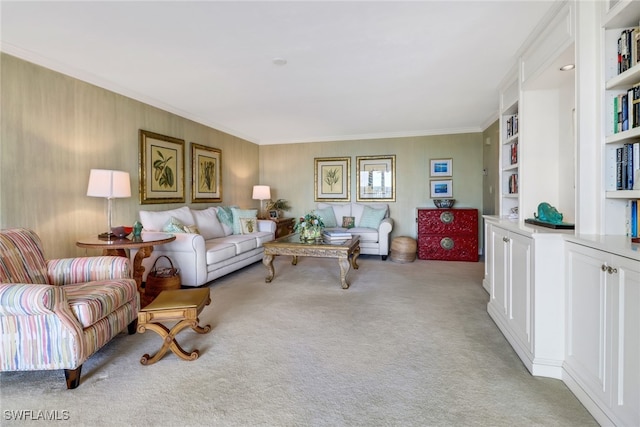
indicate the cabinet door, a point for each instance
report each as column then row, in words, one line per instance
column 519, row 289
column 499, row 267
column 587, row 339
column 626, row 339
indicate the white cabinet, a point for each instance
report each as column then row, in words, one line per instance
column 524, row 278
column 603, row 333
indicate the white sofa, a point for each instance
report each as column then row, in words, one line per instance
column 371, row 222
column 217, row 249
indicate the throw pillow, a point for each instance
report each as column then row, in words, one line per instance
column 226, row 219
column 173, row 226
column 248, row 225
column 208, row 223
column 348, row 222
column 193, row 229
column 371, row 218
column 242, row 213
column 328, row 217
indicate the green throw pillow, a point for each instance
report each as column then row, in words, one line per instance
column 371, row 218
column 174, row 226
column 328, row 217
column 225, row 215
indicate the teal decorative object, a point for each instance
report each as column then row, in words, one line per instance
column 548, row 216
column 548, row 213
column 137, row 229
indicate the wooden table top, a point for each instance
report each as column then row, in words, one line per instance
column 125, row 243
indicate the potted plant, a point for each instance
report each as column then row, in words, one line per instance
column 279, row 205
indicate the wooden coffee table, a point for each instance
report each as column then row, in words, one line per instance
column 346, row 253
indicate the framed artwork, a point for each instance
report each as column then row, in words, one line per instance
column 332, row 178
column 441, row 167
column 206, row 174
column 161, row 170
column 441, row 188
column 376, row 177
column 273, row 214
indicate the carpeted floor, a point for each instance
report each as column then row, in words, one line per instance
column 406, row 345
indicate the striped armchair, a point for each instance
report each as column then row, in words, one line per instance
column 55, row 314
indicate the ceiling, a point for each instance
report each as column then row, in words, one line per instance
column 354, row 69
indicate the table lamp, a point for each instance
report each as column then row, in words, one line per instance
column 261, row 192
column 109, row 184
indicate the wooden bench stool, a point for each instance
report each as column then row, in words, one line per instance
column 182, row 305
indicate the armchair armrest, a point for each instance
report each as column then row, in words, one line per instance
column 385, row 226
column 87, row 269
column 19, row 299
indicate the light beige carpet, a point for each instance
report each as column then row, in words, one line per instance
column 406, row 345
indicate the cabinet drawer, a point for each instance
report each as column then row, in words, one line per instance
column 450, row 221
column 448, row 248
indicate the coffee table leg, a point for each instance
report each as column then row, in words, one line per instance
column 354, row 258
column 294, row 260
column 267, row 260
column 345, row 265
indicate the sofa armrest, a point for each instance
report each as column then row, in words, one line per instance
column 187, row 253
column 20, row 299
column 386, row 226
column 267, row 225
column 87, row 269
column 384, row 230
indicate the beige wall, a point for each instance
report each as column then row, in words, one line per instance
column 54, row 129
column 289, row 170
column 490, row 152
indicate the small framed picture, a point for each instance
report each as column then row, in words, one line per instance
column 441, row 167
column 441, row 188
column 273, row 214
column 348, row 221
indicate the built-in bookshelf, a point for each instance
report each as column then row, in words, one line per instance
column 621, row 26
column 509, row 151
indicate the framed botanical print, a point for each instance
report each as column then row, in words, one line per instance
column 332, row 178
column 161, row 170
column 206, row 174
column 376, row 177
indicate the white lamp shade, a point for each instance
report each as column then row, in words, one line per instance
column 109, row 184
column 261, row 192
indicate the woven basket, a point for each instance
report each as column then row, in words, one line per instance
column 403, row 249
column 160, row 279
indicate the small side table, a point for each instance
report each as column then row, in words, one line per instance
column 182, row 306
column 284, row 226
column 118, row 246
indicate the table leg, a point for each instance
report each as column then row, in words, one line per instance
column 294, row 260
column 345, row 266
column 138, row 268
column 354, row 258
column 169, row 340
column 267, row 260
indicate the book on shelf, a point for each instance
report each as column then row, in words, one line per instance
column 512, row 125
column 632, row 218
column 514, row 153
column 513, row 184
column 628, row 167
column 628, row 45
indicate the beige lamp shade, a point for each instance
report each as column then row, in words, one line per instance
column 109, row 184
column 261, row 192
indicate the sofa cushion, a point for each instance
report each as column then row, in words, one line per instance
column 328, row 216
column 371, row 218
column 155, row 221
column 218, row 251
column 366, row 234
column 93, row 301
column 208, row 223
column 339, row 210
column 225, row 215
column 242, row 213
column 357, row 210
column 242, row 242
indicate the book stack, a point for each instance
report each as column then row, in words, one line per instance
column 626, row 110
column 628, row 167
column 633, row 219
column 514, row 153
column 512, row 125
column 513, row 184
column 628, row 49
column 336, row 236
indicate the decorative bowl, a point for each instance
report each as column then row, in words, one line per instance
column 444, row 203
column 121, row 231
